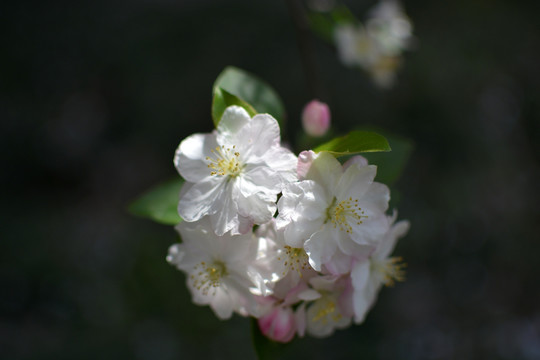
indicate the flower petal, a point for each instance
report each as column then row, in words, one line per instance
column 233, row 120
column 200, row 199
column 320, row 247
column 190, row 156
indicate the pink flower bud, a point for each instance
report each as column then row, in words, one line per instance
column 316, row 118
column 279, row 324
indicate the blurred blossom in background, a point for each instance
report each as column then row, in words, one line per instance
column 95, row 96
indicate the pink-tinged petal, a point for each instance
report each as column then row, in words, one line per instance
column 278, row 325
column 357, row 160
column 245, row 224
column 233, row 120
column 320, row 247
column 200, row 199
column 339, row 264
column 305, row 159
column 190, row 157
column 326, row 171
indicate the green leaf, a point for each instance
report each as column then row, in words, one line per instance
column 222, row 99
column 323, row 25
column 342, row 15
column 251, row 90
column 390, row 165
column 355, row 142
column 265, row 348
column 160, row 203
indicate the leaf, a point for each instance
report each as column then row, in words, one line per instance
column 222, row 99
column 342, row 15
column 265, row 348
column 160, row 203
column 390, row 165
column 251, row 90
column 323, row 25
column 355, row 142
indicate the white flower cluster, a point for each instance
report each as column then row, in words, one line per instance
column 377, row 47
column 314, row 268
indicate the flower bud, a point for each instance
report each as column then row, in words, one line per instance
column 316, row 118
column 279, row 324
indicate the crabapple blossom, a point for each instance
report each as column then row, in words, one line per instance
column 332, row 309
column 234, row 174
column 377, row 46
column 221, row 270
column 335, row 207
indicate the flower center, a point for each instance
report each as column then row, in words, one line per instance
column 391, row 269
column 225, row 161
column 206, row 277
column 346, row 210
column 325, row 309
column 295, row 259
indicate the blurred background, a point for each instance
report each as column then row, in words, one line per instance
column 96, row 95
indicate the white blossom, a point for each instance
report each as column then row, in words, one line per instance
column 334, row 207
column 331, row 310
column 221, row 270
column 234, row 174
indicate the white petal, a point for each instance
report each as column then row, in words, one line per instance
column 190, row 156
column 255, row 179
column 200, row 198
column 283, row 162
column 260, row 134
column 305, row 159
column 357, row 160
column 233, row 120
column 326, row 171
column 360, row 278
column 222, row 305
column 386, row 246
column 302, row 211
column 355, row 182
column 225, row 211
column 259, row 208
column 320, row 247
column 376, row 198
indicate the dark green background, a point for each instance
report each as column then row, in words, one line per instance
column 96, row 95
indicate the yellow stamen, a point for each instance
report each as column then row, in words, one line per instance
column 346, row 210
column 226, row 161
